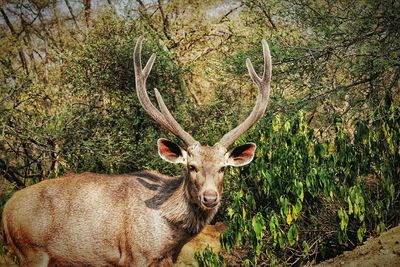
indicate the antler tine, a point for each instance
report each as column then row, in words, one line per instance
column 186, row 137
column 263, row 85
column 164, row 117
column 140, row 81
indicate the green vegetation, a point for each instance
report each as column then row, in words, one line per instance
column 209, row 258
column 307, row 197
column 326, row 174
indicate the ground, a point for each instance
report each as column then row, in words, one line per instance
column 381, row 251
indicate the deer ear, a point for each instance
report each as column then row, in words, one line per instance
column 241, row 155
column 171, row 152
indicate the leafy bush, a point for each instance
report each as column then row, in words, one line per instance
column 113, row 132
column 209, row 259
column 307, row 198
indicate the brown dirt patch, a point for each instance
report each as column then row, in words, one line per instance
column 381, row 251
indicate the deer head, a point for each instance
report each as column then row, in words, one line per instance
column 205, row 165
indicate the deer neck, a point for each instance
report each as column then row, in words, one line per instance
column 183, row 213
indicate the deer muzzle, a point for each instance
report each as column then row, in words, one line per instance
column 209, row 199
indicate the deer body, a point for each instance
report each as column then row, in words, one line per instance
column 141, row 219
column 102, row 220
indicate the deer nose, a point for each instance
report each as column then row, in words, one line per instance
column 209, row 199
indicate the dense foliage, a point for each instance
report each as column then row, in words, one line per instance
column 306, row 198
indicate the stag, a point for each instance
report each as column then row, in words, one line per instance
column 140, row 219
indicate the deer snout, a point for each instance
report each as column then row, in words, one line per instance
column 209, row 199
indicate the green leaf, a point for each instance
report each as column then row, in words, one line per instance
column 360, row 232
column 306, row 248
column 259, row 226
column 292, row 234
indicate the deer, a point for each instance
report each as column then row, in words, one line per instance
column 138, row 219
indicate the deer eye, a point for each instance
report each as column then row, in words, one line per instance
column 192, row 168
column 221, row 170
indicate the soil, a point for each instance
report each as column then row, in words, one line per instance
column 381, row 251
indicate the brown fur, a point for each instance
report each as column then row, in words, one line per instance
column 142, row 219
column 89, row 219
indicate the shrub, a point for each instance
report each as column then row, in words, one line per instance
column 307, row 198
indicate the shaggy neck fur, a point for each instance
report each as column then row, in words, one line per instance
column 182, row 212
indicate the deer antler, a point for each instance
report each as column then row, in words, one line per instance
column 263, row 85
column 164, row 117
